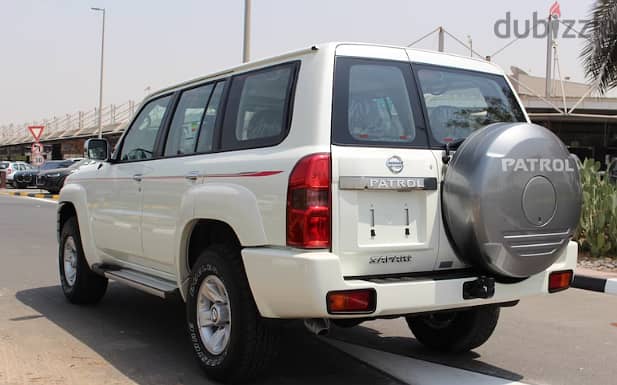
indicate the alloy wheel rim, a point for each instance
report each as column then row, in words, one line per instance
column 214, row 315
column 70, row 260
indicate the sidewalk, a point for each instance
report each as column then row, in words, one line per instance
column 601, row 281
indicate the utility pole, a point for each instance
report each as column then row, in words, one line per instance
column 549, row 56
column 100, row 111
column 246, row 47
column 442, row 36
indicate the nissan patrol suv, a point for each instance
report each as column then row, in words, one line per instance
column 336, row 184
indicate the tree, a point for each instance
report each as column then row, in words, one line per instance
column 600, row 53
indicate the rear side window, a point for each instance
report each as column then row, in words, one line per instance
column 206, row 134
column 259, row 107
column 459, row 102
column 182, row 137
column 4, row 165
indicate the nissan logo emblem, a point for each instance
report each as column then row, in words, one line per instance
column 395, row 164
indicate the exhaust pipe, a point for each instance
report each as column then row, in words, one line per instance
column 317, row 326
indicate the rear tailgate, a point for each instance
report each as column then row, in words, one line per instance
column 385, row 195
column 384, row 223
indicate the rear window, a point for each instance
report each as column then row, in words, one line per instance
column 4, row 165
column 459, row 102
column 258, row 111
column 374, row 106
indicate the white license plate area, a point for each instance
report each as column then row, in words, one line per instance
column 391, row 218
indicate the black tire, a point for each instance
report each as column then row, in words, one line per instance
column 20, row 186
column 457, row 331
column 88, row 287
column 253, row 343
column 53, row 192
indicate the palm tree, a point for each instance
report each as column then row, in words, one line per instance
column 600, row 53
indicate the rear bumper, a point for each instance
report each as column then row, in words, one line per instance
column 287, row 284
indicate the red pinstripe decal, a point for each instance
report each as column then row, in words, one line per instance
column 236, row 175
column 244, row 174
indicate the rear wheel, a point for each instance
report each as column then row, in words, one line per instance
column 231, row 340
column 456, row 331
column 20, row 185
column 79, row 284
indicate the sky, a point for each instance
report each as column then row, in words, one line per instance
column 50, row 49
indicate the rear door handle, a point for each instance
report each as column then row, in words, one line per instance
column 138, row 177
column 192, row 175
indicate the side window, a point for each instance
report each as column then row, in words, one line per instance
column 187, row 118
column 206, row 133
column 139, row 141
column 257, row 113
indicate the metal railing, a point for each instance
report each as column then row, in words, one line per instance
column 81, row 123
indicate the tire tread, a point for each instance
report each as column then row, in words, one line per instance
column 260, row 344
column 89, row 287
column 469, row 330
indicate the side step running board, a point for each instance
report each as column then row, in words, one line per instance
column 138, row 280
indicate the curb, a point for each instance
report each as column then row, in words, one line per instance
column 599, row 284
column 33, row 195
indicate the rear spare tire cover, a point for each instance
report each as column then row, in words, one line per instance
column 511, row 198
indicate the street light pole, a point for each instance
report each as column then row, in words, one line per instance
column 246, row 47
column 100, row 114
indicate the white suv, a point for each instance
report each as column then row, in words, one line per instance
column 340, row 183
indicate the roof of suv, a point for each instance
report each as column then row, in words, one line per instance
column 349, row 49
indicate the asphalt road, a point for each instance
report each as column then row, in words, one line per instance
column 134, row 338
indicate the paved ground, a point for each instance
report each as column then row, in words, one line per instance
column 133, row 338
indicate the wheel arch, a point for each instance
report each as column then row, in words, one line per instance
column 198, row 235
column 73, row 202
column 66, row 210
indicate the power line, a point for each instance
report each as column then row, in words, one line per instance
column 423, row 37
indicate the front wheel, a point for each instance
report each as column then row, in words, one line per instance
column 456, row 331
column 230, row 339
column 79, row 284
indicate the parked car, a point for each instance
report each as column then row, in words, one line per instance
column 51, row 177
column 25, row 179
column 11, row 168
column 340, row 183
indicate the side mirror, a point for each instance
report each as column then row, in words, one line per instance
column 97, row 149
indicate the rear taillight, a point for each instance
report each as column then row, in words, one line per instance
column 9, row 171
column 308, row 203
column 559, row 280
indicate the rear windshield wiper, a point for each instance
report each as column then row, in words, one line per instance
column 451, row 146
